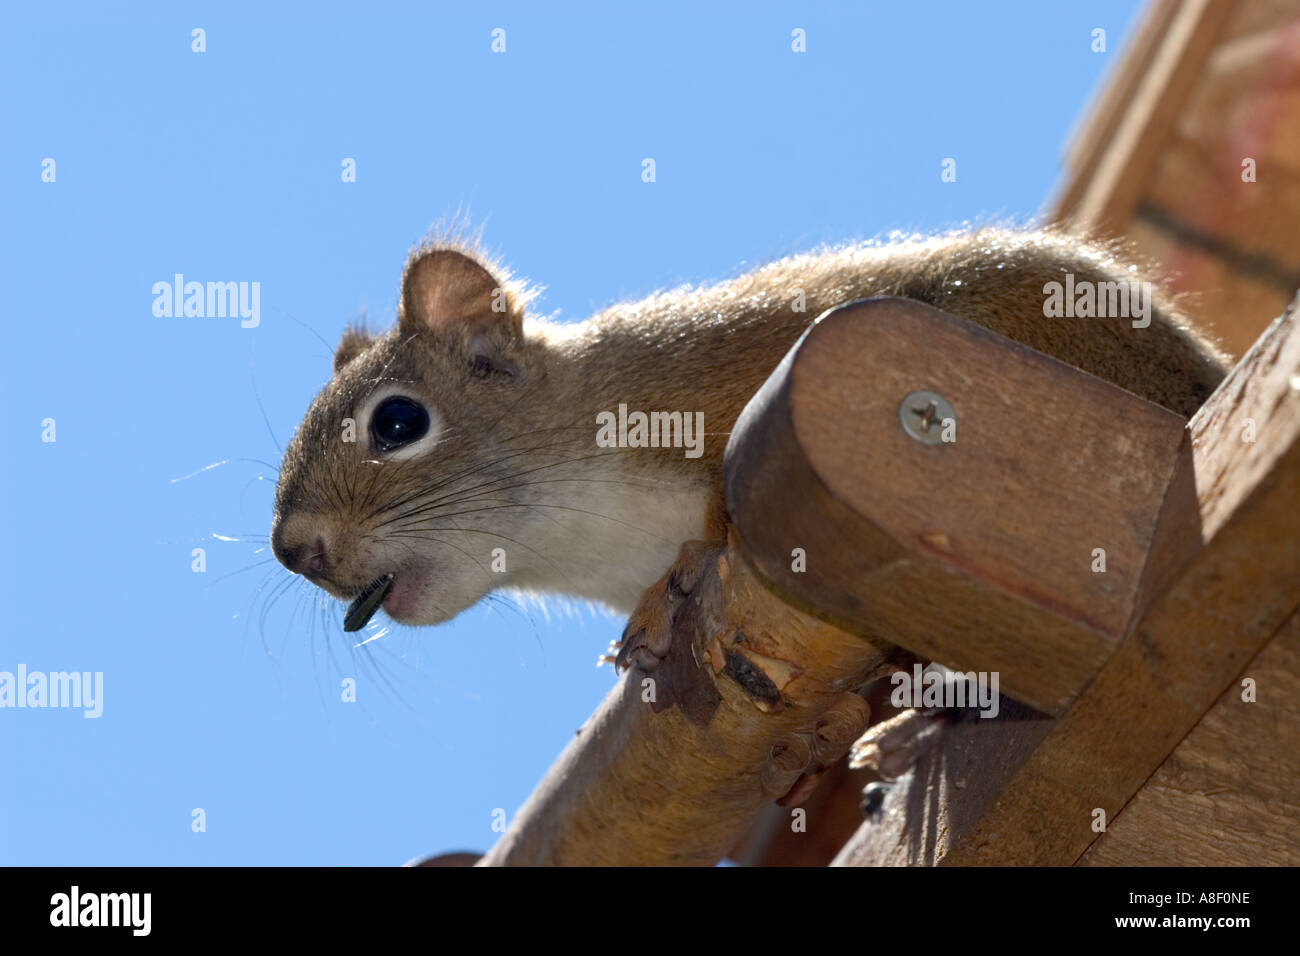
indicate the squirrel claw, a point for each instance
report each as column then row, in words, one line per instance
column 637, row 649
column 649, row 631
column 892, row 747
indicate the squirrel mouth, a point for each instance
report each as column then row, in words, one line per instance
column 361, row 610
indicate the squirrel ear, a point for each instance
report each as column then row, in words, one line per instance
column 355, row 341
column 446, row 290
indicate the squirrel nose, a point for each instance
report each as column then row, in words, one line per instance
column 309, row 557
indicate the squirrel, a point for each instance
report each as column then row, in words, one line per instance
column 457, row 453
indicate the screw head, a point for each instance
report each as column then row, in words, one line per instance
column 922, row 414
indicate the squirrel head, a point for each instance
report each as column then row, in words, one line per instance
column 403, row 463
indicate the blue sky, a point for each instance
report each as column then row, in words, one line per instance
column 225, row 165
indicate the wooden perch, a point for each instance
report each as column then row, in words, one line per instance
column 764, row 697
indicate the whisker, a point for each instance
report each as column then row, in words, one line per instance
column 252, row 377
column 224, row 461
column 487, row 485
column 231, row 574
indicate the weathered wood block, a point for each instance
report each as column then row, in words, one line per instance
column 982, row 553
column 1223, row 577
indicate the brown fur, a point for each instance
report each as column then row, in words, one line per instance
column 517, row 464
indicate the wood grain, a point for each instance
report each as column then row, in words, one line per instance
column 931, row 809
column 637, row 787
column 1194, row 639
column 977, row 554
column 1229, row 794
column 1116, row 163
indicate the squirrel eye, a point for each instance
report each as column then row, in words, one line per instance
column 398, row 421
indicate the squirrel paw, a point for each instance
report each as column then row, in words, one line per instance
column 649, row 631
column 892, row 747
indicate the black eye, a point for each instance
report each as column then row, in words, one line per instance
column 398, row 421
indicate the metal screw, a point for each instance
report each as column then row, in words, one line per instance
column 923, row 413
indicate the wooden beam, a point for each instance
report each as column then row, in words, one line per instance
column 1095, row 129
column 958, row 775
column 760, row 697
column 1099, row 195
column 1230, row 793
column 833, row 811
column 977, row 553
column 1209, row 610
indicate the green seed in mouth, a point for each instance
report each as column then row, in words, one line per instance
column 367, row 603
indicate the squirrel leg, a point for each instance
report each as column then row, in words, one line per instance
column 894, row 746
column 649, row 631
